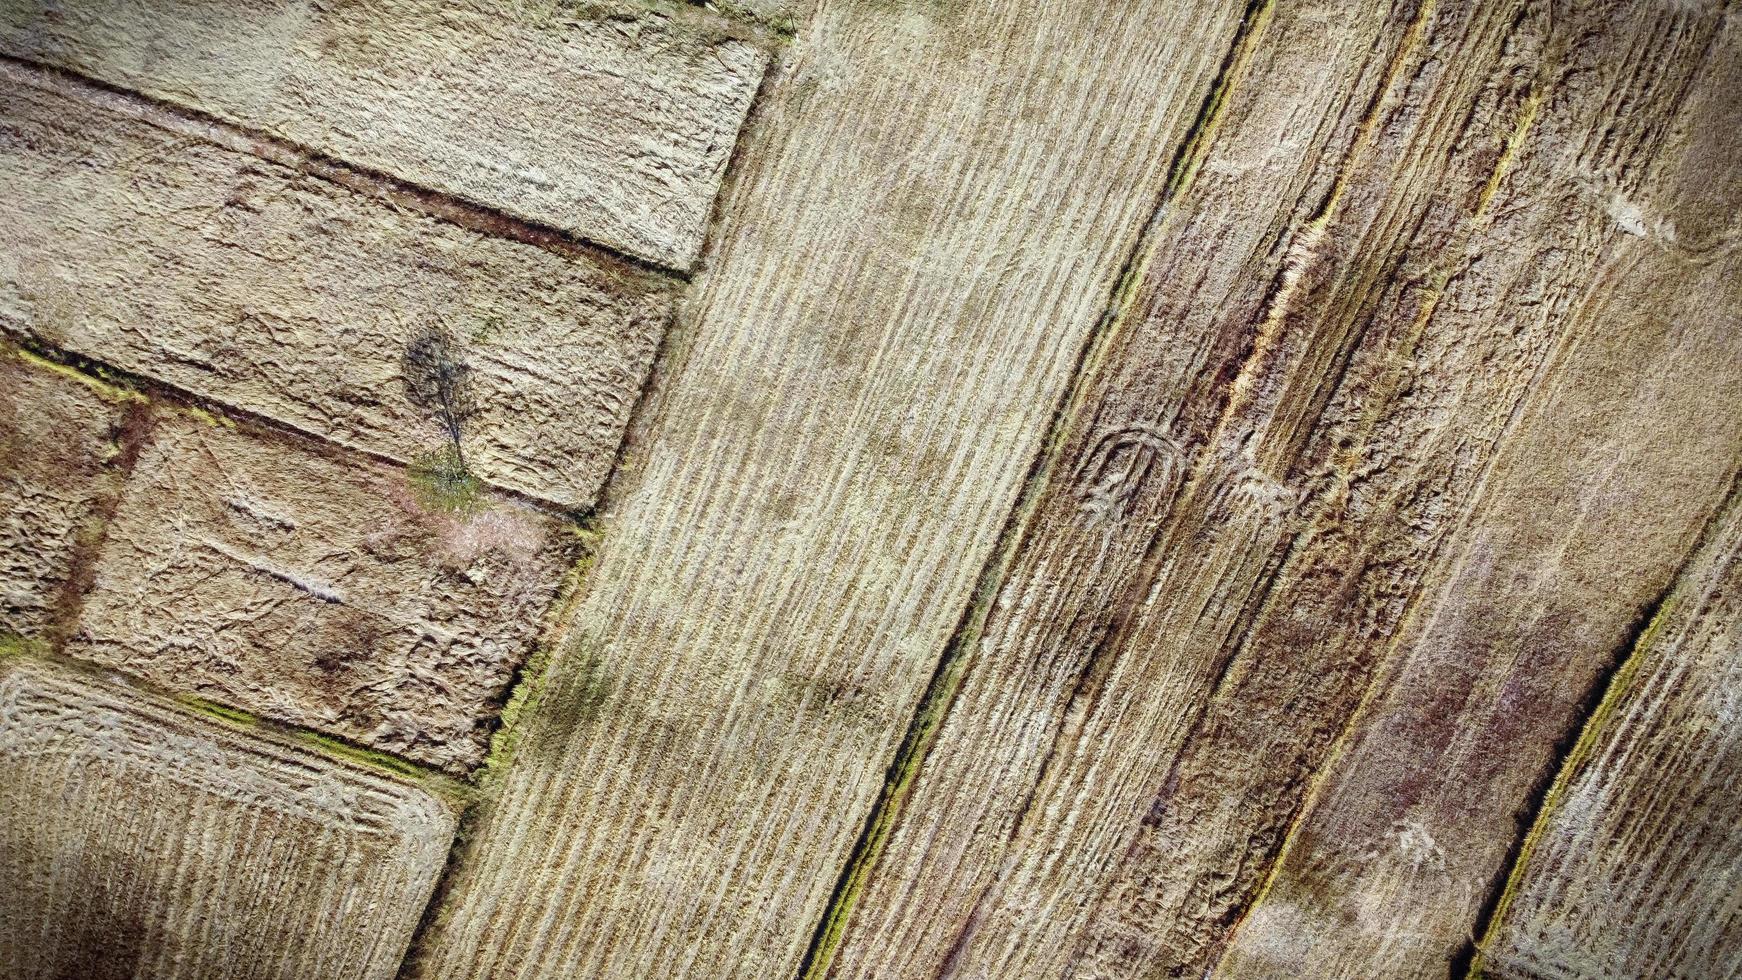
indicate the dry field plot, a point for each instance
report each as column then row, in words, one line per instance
column 870, row 489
